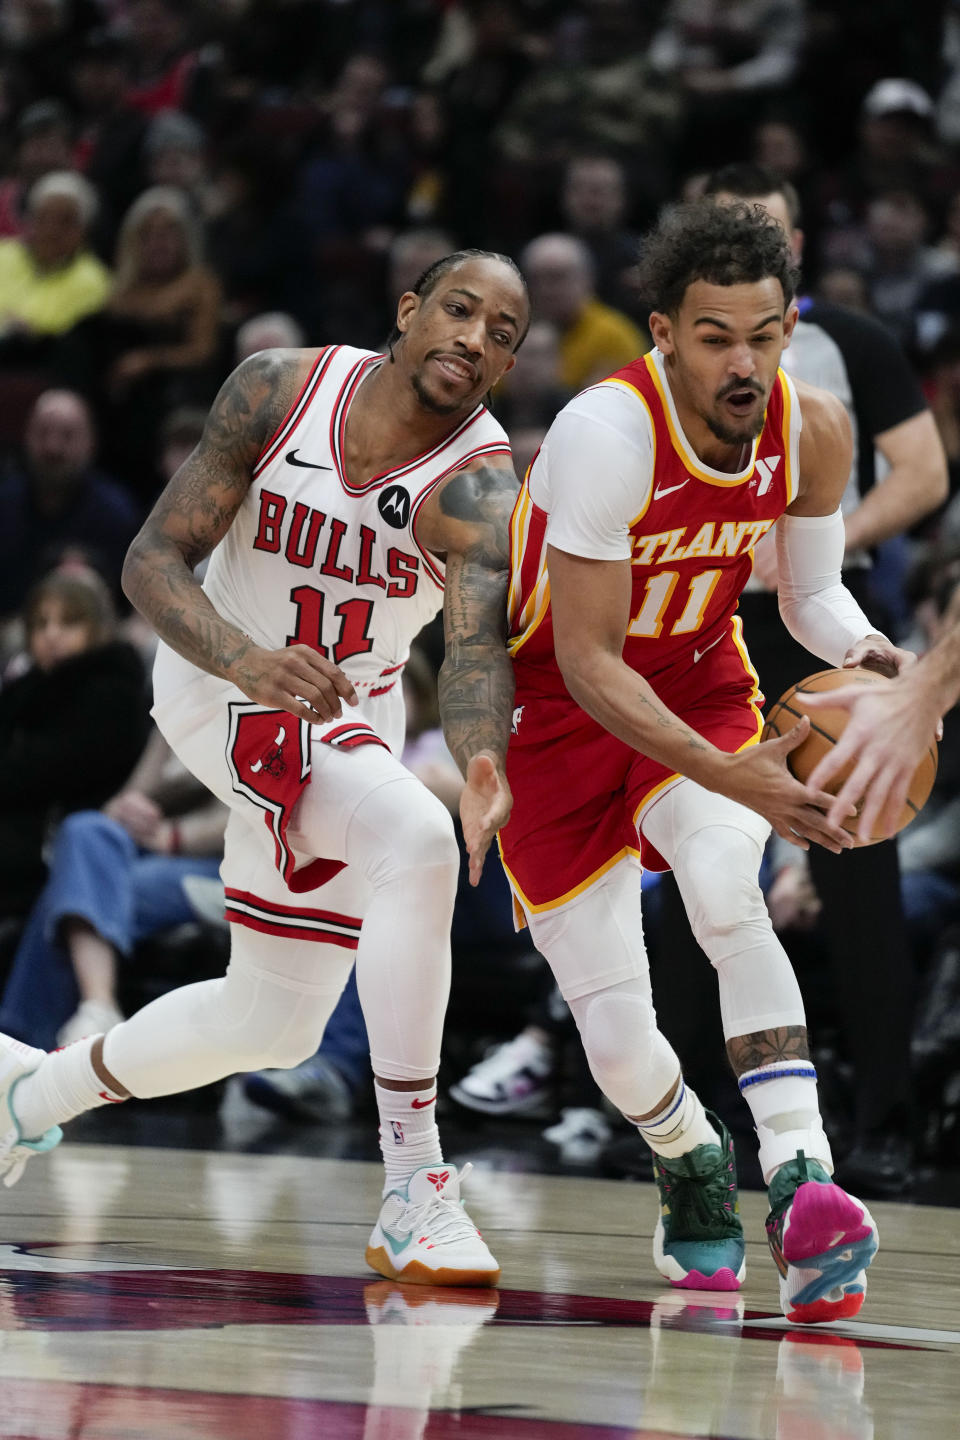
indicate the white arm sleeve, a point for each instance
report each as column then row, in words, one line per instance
column 594, row 473
column 816, row 606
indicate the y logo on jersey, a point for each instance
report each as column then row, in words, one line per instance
column 394, row 506
column 765, row 470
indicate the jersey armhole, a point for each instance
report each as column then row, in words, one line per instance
column 291, row 419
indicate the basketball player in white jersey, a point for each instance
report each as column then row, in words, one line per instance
column 342, row 497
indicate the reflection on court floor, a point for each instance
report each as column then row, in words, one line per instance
column 167, row 1295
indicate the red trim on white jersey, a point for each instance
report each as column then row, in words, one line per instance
column 293, row 922
column 297, row 410
column 354, row 733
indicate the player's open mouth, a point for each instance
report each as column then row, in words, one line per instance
column 741, row 402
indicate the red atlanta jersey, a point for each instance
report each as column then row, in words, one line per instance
column 616, row 478
column 312, row 559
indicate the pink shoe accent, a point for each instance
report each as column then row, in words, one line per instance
column 723, row 1279
column 820, row 1218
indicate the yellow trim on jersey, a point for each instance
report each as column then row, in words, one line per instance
column 655, row 794
column 736, row 634
column 614, row 380
column 681, row 447
column 791, row 442
column 571, row 894
column 543, row 590
column 519, row 523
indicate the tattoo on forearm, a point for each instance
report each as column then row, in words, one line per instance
column 765, row 1047
column 476, row 679
column 669, row 722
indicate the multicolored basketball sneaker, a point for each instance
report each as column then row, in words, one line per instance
column 424, row 1236
column 698, row 1242
column 821, row 1240
column 17, row 1061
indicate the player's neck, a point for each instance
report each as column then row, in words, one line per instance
column 387, row 425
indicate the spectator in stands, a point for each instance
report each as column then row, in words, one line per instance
column 116, row 876
column 110, row 132
column 412, row 252
column 55, row 498
column 899, row 264
column 534, row 391
column 594, row 339
column 272, row 331
column 173, row 150
column 594, row 203
column 49, row 279
column 162, row 62
column 155, row 344
column 43, row 145
column 71, row 727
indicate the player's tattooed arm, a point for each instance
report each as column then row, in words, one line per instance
column 468, row 521
column 767, row 1047
column 197, row 508
column 470, row 524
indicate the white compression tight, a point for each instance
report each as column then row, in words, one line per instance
column 271, row 1007
column 596, row 950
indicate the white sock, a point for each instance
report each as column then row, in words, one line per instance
column 783, row 1102
column 64, row 1085
column 409, row 1138
column 680, row 1126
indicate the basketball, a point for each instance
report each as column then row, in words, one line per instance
column 826, row 727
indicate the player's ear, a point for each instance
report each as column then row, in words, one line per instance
column 789, row 321
column 407, row 307
column 661, row 331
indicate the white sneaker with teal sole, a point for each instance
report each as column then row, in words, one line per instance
column 423, row 1235
column 16, row 1061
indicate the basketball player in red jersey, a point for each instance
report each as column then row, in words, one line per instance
column 635, row 724
column 342, row 496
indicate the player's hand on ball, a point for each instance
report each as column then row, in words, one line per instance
column 797, row 812
column 485, row 806
column 295, row 679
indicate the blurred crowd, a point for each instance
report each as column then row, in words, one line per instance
column 184, row 184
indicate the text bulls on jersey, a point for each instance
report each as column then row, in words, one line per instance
column 333, row 547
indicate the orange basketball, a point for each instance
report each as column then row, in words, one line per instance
column 826, row 727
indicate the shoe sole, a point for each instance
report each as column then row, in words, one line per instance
column 416, row 1273
column 833, row 1238
column 723, row 1278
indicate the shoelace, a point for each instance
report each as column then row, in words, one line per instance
column 707, row 1196
column 447, row 1218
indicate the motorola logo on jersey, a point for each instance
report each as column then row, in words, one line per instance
column 394, row 506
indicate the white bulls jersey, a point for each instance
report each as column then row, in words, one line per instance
column 311, row 559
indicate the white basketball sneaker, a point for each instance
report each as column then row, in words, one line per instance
column 423, row 1235
column 16, row 1061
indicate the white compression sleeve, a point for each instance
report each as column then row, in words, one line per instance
column 816, row 606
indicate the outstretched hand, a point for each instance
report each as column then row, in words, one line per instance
column 485, row 806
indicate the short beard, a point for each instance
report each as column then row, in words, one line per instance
column 734, row 437
column 430, row 402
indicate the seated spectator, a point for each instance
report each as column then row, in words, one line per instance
column 272, row 331
column 55, row 497
column 155, row 343
column 533, row 392
column 49, row 280
column 162, row 63
column 43, row 145
column 71, row 727
column 899, row 264
column 412, row 252
column 594, row 339
column 110, row 133
column 116, row 876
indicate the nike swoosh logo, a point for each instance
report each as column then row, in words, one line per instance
column 422, row 1104
column 699, row 654
column 291, row 459
column 659, row 493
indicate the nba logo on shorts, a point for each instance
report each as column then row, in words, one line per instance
column 397, row 1129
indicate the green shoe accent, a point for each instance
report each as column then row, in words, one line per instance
column 699, row 1232
column 783, row 1186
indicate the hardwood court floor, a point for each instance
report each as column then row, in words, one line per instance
column 161, row 1294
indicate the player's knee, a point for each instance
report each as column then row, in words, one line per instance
column 717, row 870
column 618, row 1032
column 414, row 836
